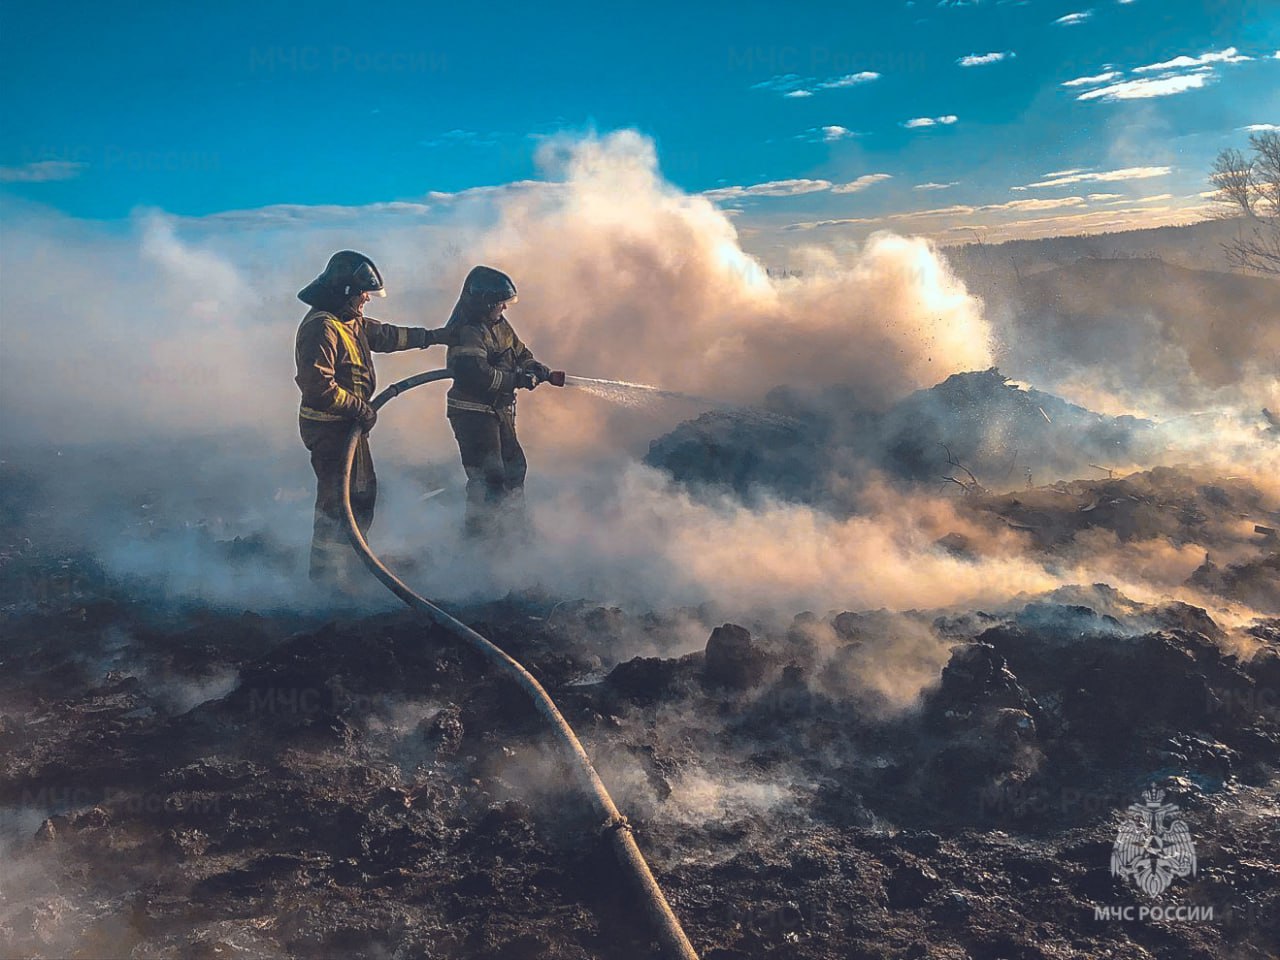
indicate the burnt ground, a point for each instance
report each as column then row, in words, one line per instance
column 180, row 780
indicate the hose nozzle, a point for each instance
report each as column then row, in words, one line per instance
column 556, row 378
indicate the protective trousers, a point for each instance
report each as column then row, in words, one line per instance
column 332, row 559
column 495, row 468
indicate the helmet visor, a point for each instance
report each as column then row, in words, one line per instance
column 366, row 279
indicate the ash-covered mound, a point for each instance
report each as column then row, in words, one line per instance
column 999, row 431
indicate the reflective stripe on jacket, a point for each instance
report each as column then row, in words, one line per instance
column 334, row 362
column 484, row 359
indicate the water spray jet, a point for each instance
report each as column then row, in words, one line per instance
column 636, row 394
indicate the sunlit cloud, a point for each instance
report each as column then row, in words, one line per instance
column 934, row 186
column 1094, row 80
column 1035, row 204
column 1065, row 177
column 855, row 186
column 1073, row 18
column 1229, row 55
column 1148, row 88
column 961, row 209
column 841, row 222
column 771, row 188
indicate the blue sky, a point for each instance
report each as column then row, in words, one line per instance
column 814, row 121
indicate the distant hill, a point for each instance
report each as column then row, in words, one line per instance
column 1198, row 245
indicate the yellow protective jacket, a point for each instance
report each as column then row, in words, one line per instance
column 334, row 362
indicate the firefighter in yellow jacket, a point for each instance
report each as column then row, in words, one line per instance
column 333, row 353
column 488, row 362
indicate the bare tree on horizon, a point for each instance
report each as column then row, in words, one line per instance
column 1249, row 187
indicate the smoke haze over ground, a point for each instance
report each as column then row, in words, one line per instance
column 168, row 330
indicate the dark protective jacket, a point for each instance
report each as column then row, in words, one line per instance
column 335, row 369
column 485, row 359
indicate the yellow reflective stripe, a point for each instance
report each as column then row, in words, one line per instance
column 310, row 413
column 496, row 382
column 349, row 342
column 402, row 338
column 468, row 352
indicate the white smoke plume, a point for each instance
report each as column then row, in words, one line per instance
column 179, row 327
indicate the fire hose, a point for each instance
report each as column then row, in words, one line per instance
column 610, row 822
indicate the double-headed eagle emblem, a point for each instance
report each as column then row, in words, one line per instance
column 1151, row 850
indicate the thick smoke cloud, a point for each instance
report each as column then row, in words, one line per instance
column 179, row 327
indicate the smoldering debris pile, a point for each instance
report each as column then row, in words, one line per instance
column 999, row 430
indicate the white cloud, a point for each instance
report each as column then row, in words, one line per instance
column 916, row 122
column 772, row 188
column 300, row 215
column 783, row 81
column 981, row 60
column 41, row 171
column 812, row 224
column 934, row 186
column 1099, row 197
column 1146, row 88
column 854, row 186
column 1261, row 128
column 951, row 211
column 849, row 80
column 1011, row 206
column 1094, row 80
column 831, row 134
column 1063, row 173
column 1063, row 178
column 1036, row 204
column 1229, row 55
column 1073, row 18
column 794, row 85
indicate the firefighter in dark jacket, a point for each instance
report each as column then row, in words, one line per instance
column 335, row 374
column 488, row 362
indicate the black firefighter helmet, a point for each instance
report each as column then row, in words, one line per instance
column 483, row 288
column 346, row 273
column 487, row 286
